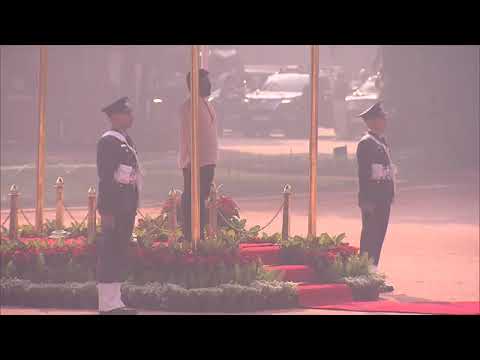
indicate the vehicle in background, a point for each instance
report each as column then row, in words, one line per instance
column 283, row 103
column 229, row 89
column 256, row 75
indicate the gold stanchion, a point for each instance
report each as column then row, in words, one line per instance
column 195, row 185
column 92, row 214
column 287, row 192
column 13, row 228
column 312, row 215
column 172, row 217
column 41, row 140
column 59, row 204
column 212, row 211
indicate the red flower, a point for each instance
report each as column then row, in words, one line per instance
column 169, row 203
column 246, row 259
column 187, row 259
column 330, row 257
column 345, row 250
column 140, row 253
column 78, row 251
column 227, row 206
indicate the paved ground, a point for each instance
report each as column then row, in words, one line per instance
column 31, row 311
column 431, row 251
column 432, row 246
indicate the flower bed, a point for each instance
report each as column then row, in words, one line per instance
column 216, row 277
column 48, row 260
column 216, row 261
column 216, row 270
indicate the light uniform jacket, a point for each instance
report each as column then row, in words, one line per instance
column 113, row 155
column 207, row 134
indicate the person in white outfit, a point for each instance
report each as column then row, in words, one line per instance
column 207, row 150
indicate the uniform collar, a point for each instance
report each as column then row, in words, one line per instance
column 376, row 136
column 123, row 132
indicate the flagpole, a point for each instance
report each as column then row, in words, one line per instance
column 40, row 178
column 195, row 184
column 314, row 73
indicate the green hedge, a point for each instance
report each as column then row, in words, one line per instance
column 224, row 298
column 66, row 295
column 365, row 287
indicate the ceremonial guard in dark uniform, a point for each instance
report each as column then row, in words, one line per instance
column 376, row 174
column 118, row 194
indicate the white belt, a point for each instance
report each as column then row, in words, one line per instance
column 125, row 175
column 383, row 172
column 380, row 171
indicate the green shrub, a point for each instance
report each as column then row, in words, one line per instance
column 354, row 266
column 365, row 287
column 323, row 242
column 26, row 293
column 329, row 271
column 150, row 229
column 156, row 296
column 29, row 231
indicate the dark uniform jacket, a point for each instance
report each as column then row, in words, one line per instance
column 115, row 198
column 373, row 191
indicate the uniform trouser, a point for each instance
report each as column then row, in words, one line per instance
column 207, row 174
column 374, row 228
column 112, row 246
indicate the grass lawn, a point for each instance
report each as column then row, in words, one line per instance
column 240, row 174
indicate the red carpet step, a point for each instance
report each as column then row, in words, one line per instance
column 309, row 293
column 256, row 245
column 295, row 273
column 270, row 254
column 316, row 295
column 339, row 296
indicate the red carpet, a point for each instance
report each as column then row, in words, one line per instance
column 270, row 254
column 295, row 273
column 256, row 245
column 339, row 296
column 317, row 295
column 434, row 308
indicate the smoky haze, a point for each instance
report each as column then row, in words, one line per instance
column 430, row 92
